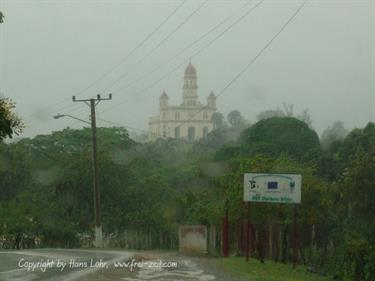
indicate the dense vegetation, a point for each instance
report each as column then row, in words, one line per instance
column 270, row 271
column 150, row 189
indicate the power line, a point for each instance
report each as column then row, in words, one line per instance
column 263, row 49
column 123, row 60
column 121, row 125
column 74, row 109
column 194, row 42
column 195, row 54
column 140, row 44
column 187, row 47
column 251, row 62
column 157, row 46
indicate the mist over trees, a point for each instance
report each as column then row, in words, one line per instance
column 235, row 119
column 287, row 111
column 225, row 131
column 273, row 137
column 217, row 120
column 149, row 189
column 335, row 133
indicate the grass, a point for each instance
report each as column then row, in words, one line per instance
column 269, row 271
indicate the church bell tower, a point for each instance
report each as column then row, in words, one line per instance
column 190, row 88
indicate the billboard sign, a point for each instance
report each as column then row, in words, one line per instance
column 272, row 188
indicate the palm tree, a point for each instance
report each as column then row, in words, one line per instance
column 235, row 118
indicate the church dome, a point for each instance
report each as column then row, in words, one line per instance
column 164, row 95
column 212, row 95
column 190, row 71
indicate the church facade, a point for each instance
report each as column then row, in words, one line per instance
column 190, row 120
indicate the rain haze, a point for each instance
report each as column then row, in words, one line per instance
column 324, row 60
column 203, row 140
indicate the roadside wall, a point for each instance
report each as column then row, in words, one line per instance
column 193, row 239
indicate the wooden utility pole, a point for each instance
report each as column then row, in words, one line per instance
column 98, row 223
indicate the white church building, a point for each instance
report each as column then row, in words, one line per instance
column 190, row 120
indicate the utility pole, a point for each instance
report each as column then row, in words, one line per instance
column 92, row 103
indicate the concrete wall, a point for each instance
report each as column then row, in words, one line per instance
column 193, row 239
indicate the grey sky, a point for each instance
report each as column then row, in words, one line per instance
column 323, row 61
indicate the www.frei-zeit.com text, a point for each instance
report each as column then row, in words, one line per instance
column 44, row 265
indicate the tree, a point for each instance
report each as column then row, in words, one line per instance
column 305, row 117
column 219, row 137
column 270, row 114
column 217, row 120
column 14, row 171
column 10, row 123
column 276, row 136
column 313, row 210
column 1, row 17
column 235, row 118
column 333, row 134
column 222, row 134
column 355, row 207
column 288, row 111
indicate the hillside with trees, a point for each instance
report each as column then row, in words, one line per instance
column 149, row 189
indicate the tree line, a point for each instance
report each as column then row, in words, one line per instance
column 149, row 189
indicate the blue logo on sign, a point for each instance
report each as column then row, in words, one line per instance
column 272, row 185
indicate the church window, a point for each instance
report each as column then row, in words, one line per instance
column 177, row 115
column 205, row 115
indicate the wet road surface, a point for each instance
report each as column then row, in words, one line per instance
column 91, row 265
column 56, row 265
column 188, row 268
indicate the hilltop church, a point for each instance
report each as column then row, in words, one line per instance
column 191, row 120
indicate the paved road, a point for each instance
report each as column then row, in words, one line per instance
column 91, row 265
column 188, row 269
column 56, row 265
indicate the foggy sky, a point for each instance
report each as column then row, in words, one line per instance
column 324, row 60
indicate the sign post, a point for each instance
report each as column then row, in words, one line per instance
column 295, row 252
column 225, row 233
column 248, row 223
column 273, row 188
